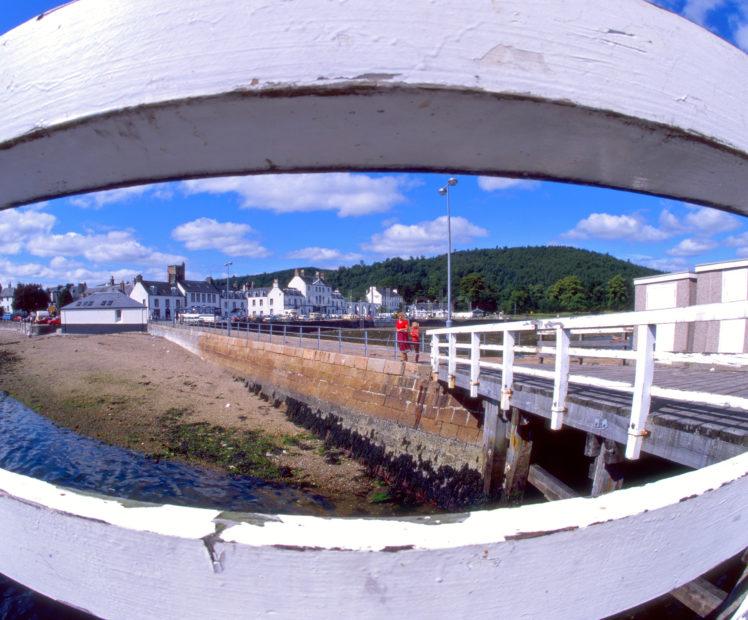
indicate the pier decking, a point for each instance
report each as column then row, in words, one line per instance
column 691, row 434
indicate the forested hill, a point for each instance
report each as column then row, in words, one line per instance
column 524, row 277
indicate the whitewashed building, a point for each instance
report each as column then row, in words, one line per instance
column 162, row 300
column 6, row 299
column 287, row 302
column 234, row 303
column 104, row 313
column 317, row 292
column 258, row 302
column 388, row 299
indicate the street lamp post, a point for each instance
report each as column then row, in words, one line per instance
column 228, row 318
column 444, row 191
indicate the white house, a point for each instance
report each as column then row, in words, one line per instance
column 286, row 301
column 317, row 292
column 258, row 302
column 104, row 313
column 387, row 298
column 162, row 300
column 235, row 303
column 6, row 299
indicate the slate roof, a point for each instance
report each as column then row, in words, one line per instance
column 261, row 291
column 198, row 286
column 104, row 301
column 162, row 289
column 8, row 292
column 293, row 292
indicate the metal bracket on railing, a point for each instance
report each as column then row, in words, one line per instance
column 506, row 398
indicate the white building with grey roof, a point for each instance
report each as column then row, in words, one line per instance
column 6, row 299
column 104, row 313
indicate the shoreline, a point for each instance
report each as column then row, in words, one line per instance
column 146, row 394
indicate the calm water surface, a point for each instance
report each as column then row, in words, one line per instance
column 33, row 446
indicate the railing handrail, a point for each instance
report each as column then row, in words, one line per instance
column 689, row 314
column 644, row 356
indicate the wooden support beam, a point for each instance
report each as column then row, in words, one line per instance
column 606, row 470
column 738, row 595
column 518, row 453
column 700, row 596
column 494, row 447
column 550, row 486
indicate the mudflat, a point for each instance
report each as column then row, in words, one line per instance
column 144, row 393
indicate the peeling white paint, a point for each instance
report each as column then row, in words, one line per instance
column 172, row 561
column 621, row 94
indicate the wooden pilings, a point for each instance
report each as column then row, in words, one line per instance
column 494, row 446
column 519, row 449
column 605, row 470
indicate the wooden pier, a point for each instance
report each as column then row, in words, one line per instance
column 690, row 409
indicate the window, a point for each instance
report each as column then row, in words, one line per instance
column 261, row 304
column 167, row 303
column 178, row 305
column 270, row 302
column 155, row 302
column 118, row 315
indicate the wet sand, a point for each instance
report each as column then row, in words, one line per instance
column 147, row 394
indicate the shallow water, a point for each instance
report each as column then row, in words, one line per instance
column 33, row 446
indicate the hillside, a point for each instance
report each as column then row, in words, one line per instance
column 501, row 277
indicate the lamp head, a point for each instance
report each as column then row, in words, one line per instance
column 452, row 182
column 442, row 191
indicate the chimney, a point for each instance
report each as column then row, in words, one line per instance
column 138, row 278
column 302, row 273
column 111, row 280
column 209, row 280
column 296, row 272
column 275, row 283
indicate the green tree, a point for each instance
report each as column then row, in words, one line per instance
column 64, row 298
column 30, row 297
column 472, row 288
column 568, row 294
column 618, row 293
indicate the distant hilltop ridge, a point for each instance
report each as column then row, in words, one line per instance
column 526, row 278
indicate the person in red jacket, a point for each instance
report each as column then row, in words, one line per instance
column 401, row 327
column 415, row 339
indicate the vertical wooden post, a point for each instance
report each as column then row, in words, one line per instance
column 507, row 371
column 519, row 449
column 434, row 357
column 641, row 401
column 452, row 360
column 561, row 378
column 474, row 364
column 605, row 470
column 494, row 447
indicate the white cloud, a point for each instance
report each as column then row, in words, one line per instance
column 492, row 184
column 348, row 194
column 423, row 238
column 741, row 36
column 228, row 237
column 698, row 10
column 608, row 226
column 706, row 221
column 17, row 225
column 98, row 200
column 324, row 254
column 661, row 264
column 692, row 247
column 60, row 270
column 114, row 246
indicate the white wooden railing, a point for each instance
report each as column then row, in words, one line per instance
column 644, row 356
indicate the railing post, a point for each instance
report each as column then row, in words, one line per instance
column 259, row 330
column 452, row 360
column 284, row 334
column 474, row 364
column 645, row 341
column 340, row 340
column 319, row 337
column 301, row 334
column 507, row 371
column 434, row 357
column 561, row 378
column 366, row 343
column 271, row 332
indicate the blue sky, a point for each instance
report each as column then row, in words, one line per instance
column 273, row 222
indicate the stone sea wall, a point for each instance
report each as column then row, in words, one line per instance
column 388, row 413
